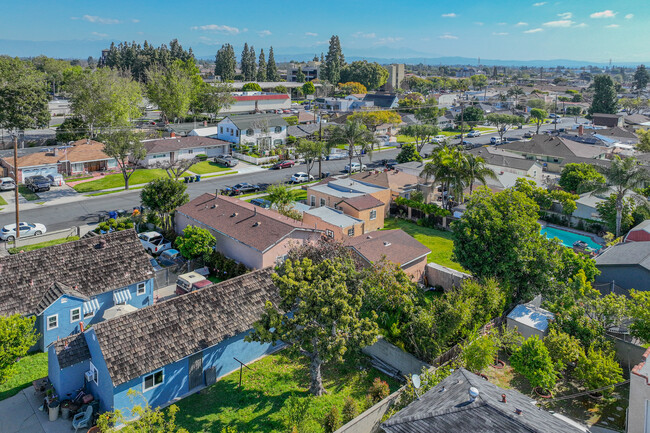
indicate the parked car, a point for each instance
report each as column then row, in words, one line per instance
column 495, row 140
column 37, row 183
column 226, row 160
column 355, row 167
column 154, row 242
column 467, row 144
column 263, row 203
column 301, row 177
column 171, row 257
column 554, row 116
column 440, row 138
column 155, row 265
column 283, row 164
column 554, row 121
column 8, row 232
column 472, row 134
column 191, row 281
column 336, row 155
column 528, row 135
column 7, row 184
column 242, row 188
column 56, row 179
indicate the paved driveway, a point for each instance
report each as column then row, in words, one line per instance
column 57, row 192
column 20, row 414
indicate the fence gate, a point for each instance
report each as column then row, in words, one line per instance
column 196, row 370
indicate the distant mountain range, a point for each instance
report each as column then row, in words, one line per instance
column 69, row 49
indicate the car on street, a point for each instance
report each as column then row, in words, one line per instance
column 355, row 167
column 554, row 116
column 261, row 202
column 472, row 134
column 440, row 138
column 7, row 184
column 284, row 164
column 528, row 135
column 301, row 177
column 554, row 121
column 495, row 140
column 242, row 188
column 8, row 232
column 226, row 160
column 154, row 242
column 37, row 183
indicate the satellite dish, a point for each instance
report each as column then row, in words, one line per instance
column 416, row 381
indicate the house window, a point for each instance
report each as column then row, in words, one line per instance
column 153, row 380
column 278, row 129
column 221, row 129
column 312, row 200
column 91, row 313
column 322, row 201
column 75, row 315
column 373, row 214
column 231, row 131
column 237, row 133
column 52, row 322
column 280, row 259
column 95, row 373
column 249, row 132
column 330, row 233
column 142, row 288
column 351, row 232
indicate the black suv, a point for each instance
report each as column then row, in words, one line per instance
column 37, row 183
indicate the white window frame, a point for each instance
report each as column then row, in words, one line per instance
column 78, row 310
column 313, row 200
column 153, row 380
column 141, row 289
column 329, row 233
column 351, row 232
column 322, row 201
column 373, row 214
column 47, row 322
column 95, row 373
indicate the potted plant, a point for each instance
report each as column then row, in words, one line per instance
column 65, row 409
column 53, row 407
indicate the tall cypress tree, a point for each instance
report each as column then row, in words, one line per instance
column 300, row 76
column 334, row 61
column 271, row 68
column 261, row 67
column 225, row 63
column 604, row 96
column 244, row 61
column 252, row 65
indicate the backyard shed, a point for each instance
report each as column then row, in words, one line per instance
column 529, row 320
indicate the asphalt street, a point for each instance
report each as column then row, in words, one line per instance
column 86, row 211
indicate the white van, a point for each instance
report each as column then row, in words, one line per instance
column 7, row 184
column 56, row 179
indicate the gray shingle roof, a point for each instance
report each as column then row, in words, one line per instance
column 82, row 266
column 55, row 291
column 256, row 121
column 155, row 336
column 174, row 144
column 627, row 254
column 447, row 408
column 71, row 350
column 501, row 160
column 396, row 246
column 333, row 216
column 547, row 145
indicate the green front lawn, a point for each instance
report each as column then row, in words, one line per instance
column 28, row 369
column 440, row 243
column 43, row 245
column 142, row 175
column 301, row 194
column 2, row 201
column 208, row 167
column 258, row 405
column 27, row 193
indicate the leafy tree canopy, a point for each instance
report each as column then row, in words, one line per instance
column 195, row 242
column 579, row 178
column 534, row 362
column 17, row 336
column 371, row 75
column 163, row 196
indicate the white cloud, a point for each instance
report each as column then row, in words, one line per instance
column 99, row 35
column 565, row 15
column 388, row 40
column 560, row 23
column 612, row 26
column 500, row 33
column 311, row 34
column 521, row 24
column 629, row 16
column 96, row 19
column 501, row 24
column 218, row 29
column 447, row 36
column 537, row 30
column 449, row 15
column 364, row 35
column 604, row 14
column 209, row 41
column 478, row 23
column 135, row 21
column 539, row 4
column 580, row 26
column 264, row 33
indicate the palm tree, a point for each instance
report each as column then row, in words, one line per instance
column 516, row 91
column 476, row 170
column 446, row 168
column 353, row 134
column 281, row 196
column 623, row 176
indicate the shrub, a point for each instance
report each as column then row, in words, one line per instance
column 533, row 361
column 223, row 267
column 597, row 369
column 202, row 157
column 480, row 353
column 350, row 410
column 379, row 390
column 563, row 348
column 332, row 420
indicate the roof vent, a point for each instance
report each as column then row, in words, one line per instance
column 214, row 206
column 234, row 214
column 257, row 224
column 101, row 244
column 503, row 398
column 368, row 237
column 386, row 244
column 519, row 411
column 473, row 393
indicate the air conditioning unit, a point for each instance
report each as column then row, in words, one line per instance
column 89, row 376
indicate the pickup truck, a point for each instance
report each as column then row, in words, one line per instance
column 154, row 242
column 37, row 183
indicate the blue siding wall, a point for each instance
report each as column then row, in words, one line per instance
column 627, row 277
column 222, row 356
column 68, row 380
column 104, row 388
column 62, row 308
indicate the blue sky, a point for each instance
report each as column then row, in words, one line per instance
column 594, row 30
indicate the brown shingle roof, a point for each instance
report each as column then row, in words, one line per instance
column 81, row 151
column 253, row 226
column 396, row 245
column 363, row 202
column 55, row 291
column 395, row 180
column 155, row 336
column 173, row 144
column 546, row 145
column 71, row 350
column 26, row 278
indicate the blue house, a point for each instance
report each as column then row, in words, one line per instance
column 70, row 286
column 168, row 350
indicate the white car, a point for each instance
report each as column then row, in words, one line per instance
column 472, row 134
column 495, row 140
column 154, row 242
column 355, row 167
column 301, row 177
column 8, row 232
column 440, row 138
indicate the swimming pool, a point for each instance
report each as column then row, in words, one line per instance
column 568, row 238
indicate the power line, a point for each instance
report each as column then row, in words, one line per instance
column 566, row 397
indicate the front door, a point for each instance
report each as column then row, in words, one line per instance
column 196, row 370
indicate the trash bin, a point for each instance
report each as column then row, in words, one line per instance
column 65, row 409
column 54, row 407
column 198, row 178
column 112, row 214
column 186, row 179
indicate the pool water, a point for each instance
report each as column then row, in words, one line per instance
column 568, row 238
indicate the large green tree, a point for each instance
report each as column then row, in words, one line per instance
column 17, row 335
column 641, row 78
column 408, row 153
column 639, row 310
column 538, row 116
column 476, row 169
column 599, row 369
column 503, row 121
column 23, row 95
column 533, row 361
column 163, row 196
column 127, row 148
column 356, row 136
column 422, row 134
column 261, row 67
column 578, row 178
column 72, row 129
column 195, row 242
column 604, row 100
column 325, row 301
column 225, row 63
column 175, row 89
column 371, row 75
column 271, row 68
column 334, row 61
column 212, row 98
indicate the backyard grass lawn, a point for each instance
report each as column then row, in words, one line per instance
column 257, row 407
column 204, row 167
column 43, row 244
column 439, row 242
column 301, row 194
column 116, row 180
column 28, row 369
column 27, row 193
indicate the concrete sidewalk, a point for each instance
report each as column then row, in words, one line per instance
column 21, row 414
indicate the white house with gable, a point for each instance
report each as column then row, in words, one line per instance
column 265, row 131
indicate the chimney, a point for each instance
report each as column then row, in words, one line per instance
column 503, row 398
column 56, row 151
column 172, row 135
column 581, row 130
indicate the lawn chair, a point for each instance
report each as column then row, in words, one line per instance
column 82, row 419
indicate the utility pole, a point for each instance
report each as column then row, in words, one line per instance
column 320, row 138
column 462, row 121
column 16, row 182
column 555, row 120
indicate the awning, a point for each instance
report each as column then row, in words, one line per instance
column 121, row 296
column 91, row 306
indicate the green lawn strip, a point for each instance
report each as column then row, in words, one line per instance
column 28, row 369
column 440, row 243
column 113, row 192
column 205, row 167
column 217, row 175
column 27, row 193
column 300, row 195
column 3, row 201
column 76, row 179
column 257, row 406
column 43, row 244
column 140, row 176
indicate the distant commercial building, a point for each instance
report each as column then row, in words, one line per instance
column 310, row 69
column 255, row 102
column 395, row 77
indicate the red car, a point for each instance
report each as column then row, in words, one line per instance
column 284, row 164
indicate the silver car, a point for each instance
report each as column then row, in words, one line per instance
column 8, row 232
column 7, row 184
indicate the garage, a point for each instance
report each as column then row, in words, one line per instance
column 39, row 171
